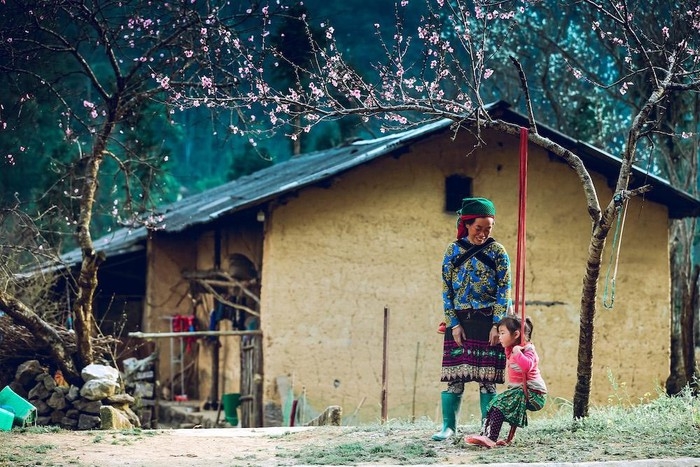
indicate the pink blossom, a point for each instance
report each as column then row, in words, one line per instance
column 487, row 73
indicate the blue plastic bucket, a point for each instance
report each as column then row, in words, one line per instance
column 24, row 412
column 6, row 419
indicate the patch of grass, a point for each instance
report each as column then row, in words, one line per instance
column 16, row 451
column 664, row 427
column 41, row 448
column 129, row 437
column 22, row 455
column 659, row 428
column 400, row 452
column 37, row 429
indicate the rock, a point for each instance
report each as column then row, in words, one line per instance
column 73, row 393
column 331, row 416
column 120, row 400
column 27, row 371
column 88, row 422
column 42, row 408
column 39, row 391
column 57, row 416
column 43, row 421
column 131, row 415
column 98, row 389
column 92, row 372
column 69, row 423
column 87, row 406
column 57, row 401
column 18, row 389
column 113, row 419
column 47, row 381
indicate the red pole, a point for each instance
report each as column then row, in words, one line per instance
column 520, row 262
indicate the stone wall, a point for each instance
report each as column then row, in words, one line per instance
column 70, row 407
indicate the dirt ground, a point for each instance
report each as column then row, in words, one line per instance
column 198, row 447
column 267, row 447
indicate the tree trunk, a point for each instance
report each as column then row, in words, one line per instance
column 683, row 305
column 678, row 253
column 689, row 322
column 42, row 331
column 85, row 326
column 586, row 329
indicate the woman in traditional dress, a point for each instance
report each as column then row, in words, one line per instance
column 476, row 295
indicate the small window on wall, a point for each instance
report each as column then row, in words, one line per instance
column 457, row 187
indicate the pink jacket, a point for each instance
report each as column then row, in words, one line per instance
column 525, row 363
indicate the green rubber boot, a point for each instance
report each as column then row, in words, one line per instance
column 485, row 399
column 450, row 409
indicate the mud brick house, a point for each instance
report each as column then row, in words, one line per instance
column 298, row 262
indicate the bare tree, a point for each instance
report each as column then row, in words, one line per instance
column 680, row 161
column 96, row 61
column 441, row 70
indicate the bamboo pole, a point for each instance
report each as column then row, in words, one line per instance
column 415, row 381
column 160, row 335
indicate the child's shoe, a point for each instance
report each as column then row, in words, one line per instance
column 442, row 327
column 480, row 440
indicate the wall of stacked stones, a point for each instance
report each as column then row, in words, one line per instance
column 100, row 403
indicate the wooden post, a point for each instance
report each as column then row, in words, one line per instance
column 415, row 381
column 385, row 365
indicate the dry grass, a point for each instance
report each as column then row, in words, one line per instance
column 662, row 428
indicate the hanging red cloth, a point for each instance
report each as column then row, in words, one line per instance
column 185, row 323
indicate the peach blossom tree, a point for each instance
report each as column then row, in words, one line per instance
column 444, row 69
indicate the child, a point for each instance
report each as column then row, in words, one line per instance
column 523, row 371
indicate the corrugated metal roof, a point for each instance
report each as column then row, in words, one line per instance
column 308, row 169
column 281, row 178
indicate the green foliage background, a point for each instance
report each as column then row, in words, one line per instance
column 194, row 150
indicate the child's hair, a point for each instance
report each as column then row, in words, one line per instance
column 513, row 324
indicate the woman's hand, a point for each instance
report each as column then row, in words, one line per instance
column 459, row 335
column 493, row 335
